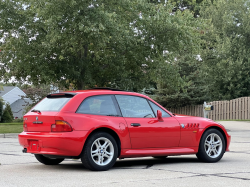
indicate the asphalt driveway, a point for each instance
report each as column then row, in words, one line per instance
column 19, row 169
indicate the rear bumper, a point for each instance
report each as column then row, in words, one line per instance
column 65, row 144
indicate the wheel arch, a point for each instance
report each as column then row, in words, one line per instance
column 109, row 131
column 219, row 129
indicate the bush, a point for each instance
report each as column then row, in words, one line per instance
column 1, row 108
column 7, row 116
column 17, row 120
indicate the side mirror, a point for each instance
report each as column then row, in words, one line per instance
column 159, row 115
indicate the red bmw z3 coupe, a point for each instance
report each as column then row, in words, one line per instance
column 100, row 125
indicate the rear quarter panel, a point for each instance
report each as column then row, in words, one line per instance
column 87, row 122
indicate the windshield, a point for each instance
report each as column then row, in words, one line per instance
column 51, row 104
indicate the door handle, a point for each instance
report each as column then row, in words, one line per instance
column 135, row 124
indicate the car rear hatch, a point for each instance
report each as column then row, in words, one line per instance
column 44, row 114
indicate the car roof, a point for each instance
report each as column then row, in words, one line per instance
column 105, row 91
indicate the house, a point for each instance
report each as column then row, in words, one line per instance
column 16, row 99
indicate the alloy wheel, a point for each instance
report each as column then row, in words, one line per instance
column 213, row 145
column 102, row 151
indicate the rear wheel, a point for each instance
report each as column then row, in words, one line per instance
column 212, row 146
column 100, row 152
column 48, row 161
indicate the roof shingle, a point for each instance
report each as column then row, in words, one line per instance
column 5, row 90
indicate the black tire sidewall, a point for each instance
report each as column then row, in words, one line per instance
column 202, row 155
column 160, row 157
column 86, row 156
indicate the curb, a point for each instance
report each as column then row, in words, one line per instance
column 9, row 135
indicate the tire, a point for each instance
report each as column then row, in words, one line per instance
column 100, row 152
column 48, row 161
column 160, row 157
column 212, row 146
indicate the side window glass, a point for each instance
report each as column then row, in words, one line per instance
column 98, row 105
column 155, row 108
column 132, row 106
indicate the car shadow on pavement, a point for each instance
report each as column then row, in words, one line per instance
column 148, row 162
column 136, row 163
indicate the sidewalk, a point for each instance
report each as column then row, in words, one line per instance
column 9, row 135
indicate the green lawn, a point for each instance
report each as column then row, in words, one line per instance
column 11, row 128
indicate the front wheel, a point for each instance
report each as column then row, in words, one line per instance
column 212, row 146
column 100, row 152
column 48, row 161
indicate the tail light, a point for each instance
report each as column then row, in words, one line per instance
column 61, row 126
column 25, row 129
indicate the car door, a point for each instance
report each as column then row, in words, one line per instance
column 144, row 128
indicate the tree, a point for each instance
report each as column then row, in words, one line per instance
column 227, row 51
column 94, row 43
column 184, row 85
column 37, row 93
column 180, row 79
column 7, row 116
column 1, row 108
column 80, row 42
column 192, row 5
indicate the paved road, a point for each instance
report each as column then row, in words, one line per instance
column 18, row 169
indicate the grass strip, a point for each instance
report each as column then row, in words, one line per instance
column 15, row 123
column 11, row 128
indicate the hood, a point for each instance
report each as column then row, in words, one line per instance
column 203, row 122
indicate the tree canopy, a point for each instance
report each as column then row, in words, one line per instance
column 104, row 43
column 180, row 52
column 227, row 50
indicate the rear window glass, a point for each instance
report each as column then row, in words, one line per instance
column 51, row 104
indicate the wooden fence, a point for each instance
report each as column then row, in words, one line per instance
column 223, row 110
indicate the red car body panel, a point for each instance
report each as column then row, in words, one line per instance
column 65, row 144
column 195, row 127
column 152, row 138
column 154, row 134
column 128, row 153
